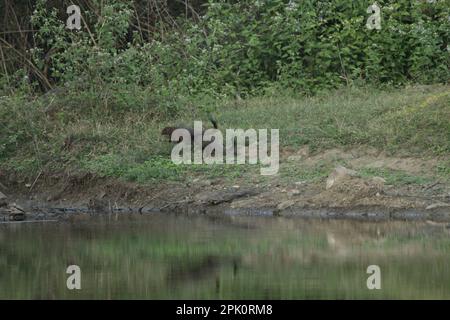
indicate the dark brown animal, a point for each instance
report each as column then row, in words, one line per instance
column 167, row 131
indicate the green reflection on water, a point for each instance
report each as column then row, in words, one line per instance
column 175, row 257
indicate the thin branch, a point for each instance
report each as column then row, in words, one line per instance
column 30, row 63
column 16, row 31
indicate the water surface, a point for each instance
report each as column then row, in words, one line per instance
column 178, row 257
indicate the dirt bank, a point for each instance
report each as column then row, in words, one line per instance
column 352, row 184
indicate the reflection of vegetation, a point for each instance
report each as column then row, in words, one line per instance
column 201, row 259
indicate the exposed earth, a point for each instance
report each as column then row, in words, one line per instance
column 359, row 183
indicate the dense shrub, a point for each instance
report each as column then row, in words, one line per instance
column 241, row 47
column 314, row 44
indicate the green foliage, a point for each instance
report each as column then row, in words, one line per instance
column 18, row 124
column 395, row 177
column 243, row 48
column 157, row 168
column 112, row 165
column 100, row 67
column 112, row 87
column 426, row 124
column 297, row 172
column 34, row 136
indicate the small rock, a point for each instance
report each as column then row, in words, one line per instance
column 285, row 204
column 299, row 183
column 339, row 173
column 340, row 170
column 294, row 192
column 28, row 185
column 19, row 216
column 14, row 208
column 437, row 205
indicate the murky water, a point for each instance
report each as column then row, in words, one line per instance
column 175, row 257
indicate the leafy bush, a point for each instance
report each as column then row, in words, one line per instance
column 314, row 44
column 240, row 48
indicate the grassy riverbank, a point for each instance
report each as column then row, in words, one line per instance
column 45, row 135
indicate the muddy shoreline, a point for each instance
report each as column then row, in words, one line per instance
column 52, row 206
column 346, row 193
column 46, row 213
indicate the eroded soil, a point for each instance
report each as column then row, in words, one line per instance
column 359, row 183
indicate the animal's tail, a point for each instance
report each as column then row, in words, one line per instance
column 213, row 121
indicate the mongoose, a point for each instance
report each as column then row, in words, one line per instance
column 167, row 131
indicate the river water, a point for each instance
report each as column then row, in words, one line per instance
column 179, row 257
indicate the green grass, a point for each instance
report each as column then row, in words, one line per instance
column 128, row 145
column 384, row 119
column 298, row 172
column 395, row 177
